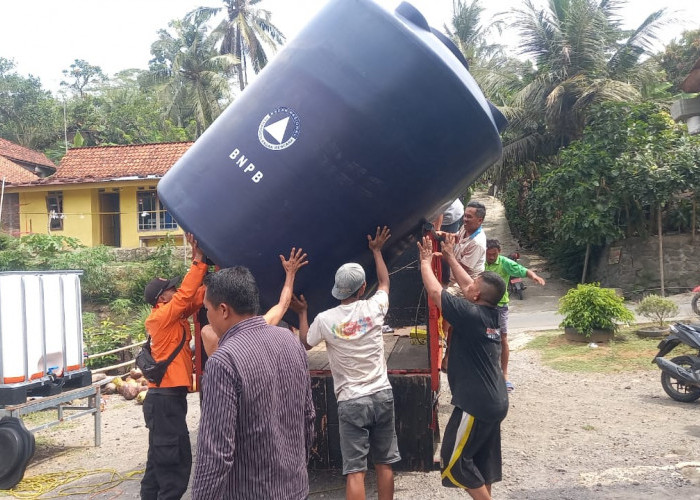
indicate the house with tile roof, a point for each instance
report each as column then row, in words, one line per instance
column 104, row 195
column 18, row 165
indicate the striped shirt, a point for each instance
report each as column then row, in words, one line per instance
column 256, row 426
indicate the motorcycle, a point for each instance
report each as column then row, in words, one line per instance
column 516, row 285
column 680, row 376
column 694, row 301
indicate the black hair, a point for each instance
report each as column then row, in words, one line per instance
column 480, row 208
column 493, row 243
column 236, row 287
column 494, row 289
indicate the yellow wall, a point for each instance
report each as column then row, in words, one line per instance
column 81, row 208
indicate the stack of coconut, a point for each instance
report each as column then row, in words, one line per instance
column 132, row 386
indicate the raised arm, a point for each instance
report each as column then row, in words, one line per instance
column 460, row 274
column 297, row 260
column 432, row 285
column 535, row 277
column 376, row 244
column 299, row 306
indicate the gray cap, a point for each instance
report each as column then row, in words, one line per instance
column 348, row 280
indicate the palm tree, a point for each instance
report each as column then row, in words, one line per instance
column 195, row 75
column 583, row 56
column 244, row 33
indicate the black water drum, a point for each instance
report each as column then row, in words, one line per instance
column 366, row 118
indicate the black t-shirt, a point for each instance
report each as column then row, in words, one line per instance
column 473, row 369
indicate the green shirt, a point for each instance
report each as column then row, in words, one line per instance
column 506, row 268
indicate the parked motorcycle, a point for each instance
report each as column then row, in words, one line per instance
column 516, row 285
column 694, row 301
column 680, row 376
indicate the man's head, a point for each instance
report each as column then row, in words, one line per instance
column 493, row 250
column 160, row 290
column 488, row 288
column 232, row 296
column 349, row 280
column 474, row 216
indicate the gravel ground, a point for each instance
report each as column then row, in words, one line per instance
column 567, row 436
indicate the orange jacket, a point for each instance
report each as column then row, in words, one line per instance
column 167, row 322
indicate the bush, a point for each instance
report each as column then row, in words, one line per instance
column 588, row 307
column 657, row 308
column 97, row 283
column 162, row 263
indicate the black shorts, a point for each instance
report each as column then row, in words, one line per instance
column 471, row 452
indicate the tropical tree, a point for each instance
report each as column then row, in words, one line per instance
column 28, row 114
column 679, row 56
column 583, row 57
column 82, row 76
column 244, row 33
column 193, row 76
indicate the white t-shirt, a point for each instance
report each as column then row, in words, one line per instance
column 355, row 345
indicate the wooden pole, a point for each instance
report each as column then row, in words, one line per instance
column 661, row 251
column 585, row 263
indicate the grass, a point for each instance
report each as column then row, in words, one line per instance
column 627, row 352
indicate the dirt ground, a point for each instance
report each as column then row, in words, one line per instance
column 566, row 436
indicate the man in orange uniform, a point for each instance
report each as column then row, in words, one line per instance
column 165, row 408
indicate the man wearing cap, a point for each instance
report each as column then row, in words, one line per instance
column 165, row 407
column 353, row 335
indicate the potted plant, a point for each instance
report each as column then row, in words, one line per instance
column 657, row 309
column 591, row 313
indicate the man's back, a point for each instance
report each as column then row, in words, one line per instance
column 474, row 374
column 353, row 336
column 257, row 378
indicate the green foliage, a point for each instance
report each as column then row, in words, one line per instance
column 678, row 57
column 97, row 283
column 631, row 161
column 28, row 113
column 102, row 337
column 589, row 307
column 657, row 308
column 161, row 263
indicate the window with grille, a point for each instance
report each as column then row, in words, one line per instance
column 54, row 206
column 152, row 214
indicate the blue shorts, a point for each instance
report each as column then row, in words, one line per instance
column 366, row 426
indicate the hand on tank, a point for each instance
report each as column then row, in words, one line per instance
column 197, row 253
column 448, row 245
column 425, row 250
column 376, row 243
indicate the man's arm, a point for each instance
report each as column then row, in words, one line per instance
column 461, row 275
column 535, row 277
column 432, row 285
column 297, row 260
column 217, row 430
column 299, row 306
column 184, row 302
column 376, row 244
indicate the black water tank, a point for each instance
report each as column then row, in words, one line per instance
column 366, row 118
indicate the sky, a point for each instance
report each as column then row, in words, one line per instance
column 45, row 36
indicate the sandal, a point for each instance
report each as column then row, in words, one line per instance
column 510, row 387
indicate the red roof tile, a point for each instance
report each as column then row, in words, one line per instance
column 14, row 173
column 19, row 153
column 112, row 162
